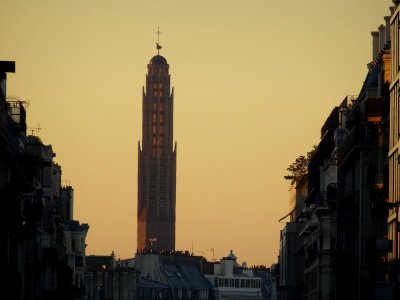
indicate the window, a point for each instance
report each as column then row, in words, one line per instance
column 236, row 283
column 247, row 283
column 258, row 284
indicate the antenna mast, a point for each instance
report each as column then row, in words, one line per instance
column 34, row 129
column 213, row 253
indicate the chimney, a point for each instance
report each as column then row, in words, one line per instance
column 391, row 10
column 5, row 67
column 387, row 27
column 382, row 37
column 375, row 44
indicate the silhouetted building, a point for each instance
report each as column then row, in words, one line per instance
column 319, row 226
column 232, row 281
column 75, row 237
column 350, row 252
column 345, row 233
column 106, row 280
column 394, row 154
column 362, row 245
column 180, row 271
column 157, row 162
column 290, row 283
column 34, row 260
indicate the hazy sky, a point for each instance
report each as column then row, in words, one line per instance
column 254, row 82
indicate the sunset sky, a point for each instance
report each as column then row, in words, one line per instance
column 254, row 82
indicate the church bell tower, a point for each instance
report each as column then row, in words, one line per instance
column 157, row 162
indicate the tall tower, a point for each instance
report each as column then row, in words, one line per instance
column 157, row 161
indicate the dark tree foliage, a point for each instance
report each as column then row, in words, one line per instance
column 299, row 167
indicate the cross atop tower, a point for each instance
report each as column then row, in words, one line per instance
column 158, row 41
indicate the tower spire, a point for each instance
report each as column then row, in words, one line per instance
column 158, row 41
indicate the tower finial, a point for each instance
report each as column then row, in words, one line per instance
column 158, row 41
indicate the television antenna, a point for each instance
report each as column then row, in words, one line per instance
column 213, row 253
column 34, row 129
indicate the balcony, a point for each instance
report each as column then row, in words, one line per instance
column 17, row 113
column 354, row 141
column 374, row 109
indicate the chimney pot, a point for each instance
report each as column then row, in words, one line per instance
column 375, row 44
column 382, row 37
column 387, row 25
column 5, row 67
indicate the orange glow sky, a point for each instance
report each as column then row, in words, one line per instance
column 254, row 81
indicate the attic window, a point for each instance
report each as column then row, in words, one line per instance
column 169, row 274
